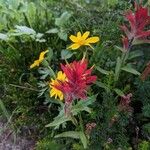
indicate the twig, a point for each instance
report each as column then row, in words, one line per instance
column 23, row 87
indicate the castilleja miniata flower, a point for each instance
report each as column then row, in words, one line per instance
column 138, row 20
column 78, row 80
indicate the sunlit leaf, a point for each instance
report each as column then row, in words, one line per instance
column 70, row 134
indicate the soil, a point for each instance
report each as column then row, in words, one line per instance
column 10, row 141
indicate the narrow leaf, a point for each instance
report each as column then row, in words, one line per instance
column 130, row 70
column 58, row 121
column 70, row 134
column 117, row 69
column 134, row 54
column 102, row 85
column 83, row 139
column 102, row 70
column 119, row 92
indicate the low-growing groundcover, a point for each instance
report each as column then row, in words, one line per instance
column 75, row 74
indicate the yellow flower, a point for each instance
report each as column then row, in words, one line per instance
column 41, row 58
column 81, row 40
column 55, row 92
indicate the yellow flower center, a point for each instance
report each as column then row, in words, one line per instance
column 81, row 41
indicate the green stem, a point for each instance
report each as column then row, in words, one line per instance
column 23, row 87
column 11, row 46
column 74, row 121
column 124, row 57
column 81, row 122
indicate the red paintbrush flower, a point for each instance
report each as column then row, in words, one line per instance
column 78, row 80
column 138, row 20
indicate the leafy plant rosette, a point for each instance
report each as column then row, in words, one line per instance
column 70, row 86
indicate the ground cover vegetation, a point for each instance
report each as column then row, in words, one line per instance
column 75, row 74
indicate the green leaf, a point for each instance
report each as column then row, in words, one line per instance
column 134, row 54
column 83, row 139
column 112, row 2
column 88, row 101
column 24, row 30
column 58, row 121
column 52, row 31
column 102, row 85
column 130, row 70
column 120, row 48
column 66, row 54
column 144, row 145
column 3, row 37
column 70, row 134
column 82, row 105
column 44, row 72
column 62, row 35
column 119, row 92
column 146, row 110
column 32, row 9
column 63, row 19
column 117, row 68
column 102, row 70
column 49, row 54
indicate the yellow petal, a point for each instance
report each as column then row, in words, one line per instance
column 85, row 35
column 42, row 54
column 74, row 46
column 36, row 63
column 61, row 96
column 73, row 38
column 92, row 40
column 79, row 34
column 59, row 74
column 52, row 93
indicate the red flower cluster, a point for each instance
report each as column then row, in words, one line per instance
column 78, row 80
column 137, row 21
column 89, row 127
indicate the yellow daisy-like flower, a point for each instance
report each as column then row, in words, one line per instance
column 54, row 82
column 81, row 40
column 41, row 58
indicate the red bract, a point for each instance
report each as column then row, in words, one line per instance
column 138, row 21
column 78, row 80
column 125, row 42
